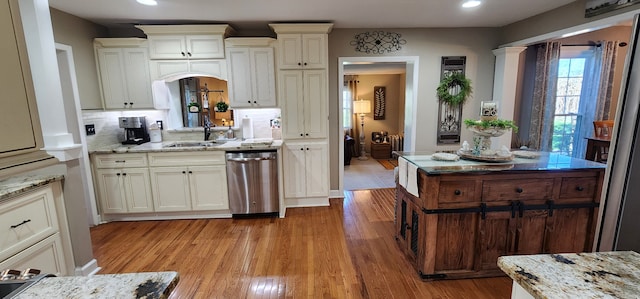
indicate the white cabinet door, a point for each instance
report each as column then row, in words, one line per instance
column 208, row 186
column 167, row 47
column 204, row 46
column 263, row 79
column 197, row 46
column 292, row 102
column 304, row 103
column 314, row 51
column 316, row 120
column 137, row 190
column 294, row 172
column 110, row 191
column 252, row 81
column 136, row 66
column 170, row 189
column 290, row 49
column 316, row 170
column 302, row 51
column 112, row 77
column 124, row 77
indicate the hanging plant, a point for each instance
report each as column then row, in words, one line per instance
column 455, row 81
column 222, row 106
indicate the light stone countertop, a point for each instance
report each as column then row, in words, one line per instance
column 235, row 145
column 576, row 275
column 16, row 185
column 129, row 285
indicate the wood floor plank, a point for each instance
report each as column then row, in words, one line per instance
column 346, row 250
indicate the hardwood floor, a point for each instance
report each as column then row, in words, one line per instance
column 346, row 250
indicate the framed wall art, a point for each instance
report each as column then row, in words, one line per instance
column 379, row 102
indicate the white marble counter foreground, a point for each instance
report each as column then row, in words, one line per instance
column 581, row 275
column 23, row 183
column 147, row 285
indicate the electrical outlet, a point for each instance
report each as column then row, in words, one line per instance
column 159, row 123
column 90, row 129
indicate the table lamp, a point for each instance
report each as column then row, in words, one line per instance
column 361, row 107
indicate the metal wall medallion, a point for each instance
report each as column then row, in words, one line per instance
column 378, row 42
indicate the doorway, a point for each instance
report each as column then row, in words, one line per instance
column 410, row 95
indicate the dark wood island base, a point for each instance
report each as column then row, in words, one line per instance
column 463, row 221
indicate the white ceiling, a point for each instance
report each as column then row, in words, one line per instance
column 251, row 14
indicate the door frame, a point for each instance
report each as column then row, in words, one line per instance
column 411, row 99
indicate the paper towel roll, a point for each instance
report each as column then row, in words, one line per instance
column 247, row 128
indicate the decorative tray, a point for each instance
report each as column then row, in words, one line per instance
column 467, row 155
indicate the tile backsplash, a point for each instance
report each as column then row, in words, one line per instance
column 108, row 131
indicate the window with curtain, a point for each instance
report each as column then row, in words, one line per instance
column 347, row 109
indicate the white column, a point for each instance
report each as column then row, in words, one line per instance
column 36, row 21
column 504, row 87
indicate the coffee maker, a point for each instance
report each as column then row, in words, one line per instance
column 135, row 129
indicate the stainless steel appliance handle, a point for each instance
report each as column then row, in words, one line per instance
column 249, row 159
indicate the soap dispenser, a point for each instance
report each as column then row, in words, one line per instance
column 230, row 133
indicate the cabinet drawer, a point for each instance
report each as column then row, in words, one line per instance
column 457, row 192
column 187, row 158
column 26, row 220
column 578, row 188
column 120, row 160
column 520, row 189
column 45, row 256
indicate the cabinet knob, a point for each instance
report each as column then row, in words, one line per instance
column 255, row 102
column 307, row 148
column 407, row 227
column 299, row 63
column 125, row 104
column 519, row 190
column 184, row 171
column 190, row 171
column 305, row 63
column 189, row 53
column 117, row 174
column 130, row 103
column 580, row 188
column 301, row 134
column 124, row 174
column 301, row 148
column 307, row 134
column 249, row 102
column 457, row 192
column 182, row 53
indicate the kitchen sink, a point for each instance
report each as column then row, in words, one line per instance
column 7, row 288
column 193, row 143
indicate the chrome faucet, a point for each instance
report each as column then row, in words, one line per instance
column 207, row 128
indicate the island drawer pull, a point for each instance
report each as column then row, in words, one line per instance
column 580, row 188
column 519, row 190
column 21, row 223
column 457, row 192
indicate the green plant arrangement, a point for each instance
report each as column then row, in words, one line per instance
column 493, row 123
column 454, row 79
column 222, row 106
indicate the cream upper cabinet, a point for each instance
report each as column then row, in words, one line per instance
column 302, row 51
column 19, row 125
column 186, row 41
column 186, row 46
column 123, row 66
column 251, row 75
column 305, row 169
column 304, row 103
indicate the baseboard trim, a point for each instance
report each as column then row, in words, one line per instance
column 336, row 194
column 88, row 269
column 307, row 202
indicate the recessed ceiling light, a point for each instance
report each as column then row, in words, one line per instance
column 471, row 3
column 148, row 2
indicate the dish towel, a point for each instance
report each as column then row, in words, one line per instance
column 402, row 172
column 412, row 179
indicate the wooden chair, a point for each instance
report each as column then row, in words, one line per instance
column 602, row 129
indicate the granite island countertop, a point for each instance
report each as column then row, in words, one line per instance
column 16, row 185
column 235, row 145
column 544, row 161
column 129, row 285
column 576, row 275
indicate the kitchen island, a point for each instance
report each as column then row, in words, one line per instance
column 455, row 218
column 581, row 275
column 149, row 285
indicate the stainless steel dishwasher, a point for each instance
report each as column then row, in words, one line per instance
column 252, row 178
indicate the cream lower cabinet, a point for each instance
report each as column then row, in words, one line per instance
column 34, row 232
column 188, row 181
column 305, row 170
column 124, row 190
